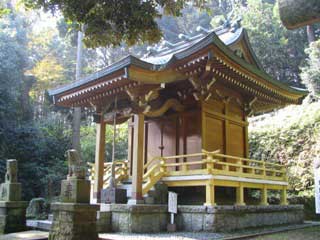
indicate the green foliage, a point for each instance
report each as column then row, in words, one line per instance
column 88, row 138
column 113, row 22
column 39, row 150
column 38, row 146
column 279, row 50
column 291, row 136
column 311, row 72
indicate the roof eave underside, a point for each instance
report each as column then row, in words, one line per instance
column 211, row 38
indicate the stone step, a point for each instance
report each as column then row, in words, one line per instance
column 39, row 224
column 148, row 200
column 50, row 217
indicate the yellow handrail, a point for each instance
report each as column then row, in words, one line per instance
column 213, row 162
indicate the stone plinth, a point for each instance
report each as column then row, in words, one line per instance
column 139, row 218
column 12, row 216
column 154, row 218
column 10, row 191
column 75, row 190
column 74, row 221
column 231, row 218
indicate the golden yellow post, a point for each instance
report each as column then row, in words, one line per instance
column 99, row 158
column 240, row 195
column 210, row 201
column 283, row 196
column 264, row 196
column 137, row 164
column 209, row 163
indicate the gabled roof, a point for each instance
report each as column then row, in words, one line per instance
column 161, row 65
column 160, row 57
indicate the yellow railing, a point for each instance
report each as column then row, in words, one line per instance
column 213, row 163
column 121, row 172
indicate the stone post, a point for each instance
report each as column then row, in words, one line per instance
column 73, row 217
column 12, row 209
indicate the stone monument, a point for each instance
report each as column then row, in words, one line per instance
column 73, row 217
column 12, row 209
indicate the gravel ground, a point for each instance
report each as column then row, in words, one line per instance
column 213, row 236
column 160, row 236
column 312, row 232
column 28, row 235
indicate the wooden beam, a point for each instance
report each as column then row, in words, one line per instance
column 283, row 196
column 99, row 159
column 240, row 195
column 264, row 196
column 210, row 198
column 137, row 165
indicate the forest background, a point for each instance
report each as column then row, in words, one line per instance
column 38, row 52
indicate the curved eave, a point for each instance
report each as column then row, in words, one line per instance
column 259, row 73
column 252, row 53
column 143, row 71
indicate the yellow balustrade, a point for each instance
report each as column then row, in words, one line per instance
column 208, row 163
column 121, row 172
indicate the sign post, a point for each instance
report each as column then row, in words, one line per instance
column 172, row 209
column 317, row 184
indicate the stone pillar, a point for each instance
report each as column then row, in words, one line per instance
column 73, row 217
column 264, row 196
column 12, row 209
column 240, row 195
column 137, row 165
column 99, row 158
column 283, row 196
column 210, row 199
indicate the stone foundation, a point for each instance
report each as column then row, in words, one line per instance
column 73, row 221
column 231, row 218
column 12, row 216
column 154, row 218
column 139, row 218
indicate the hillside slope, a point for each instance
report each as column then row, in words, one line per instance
column 290, row 136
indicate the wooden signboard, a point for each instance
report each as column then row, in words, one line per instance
column 173, row 202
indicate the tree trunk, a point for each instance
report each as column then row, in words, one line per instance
column 310, row 34
column 77, row 110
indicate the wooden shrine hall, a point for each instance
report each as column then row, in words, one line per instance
column 186, row 105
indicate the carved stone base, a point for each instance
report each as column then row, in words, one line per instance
column 10, row 191
column 72, row 221
column 12, row 216
column 113, row 195
column 75, row 191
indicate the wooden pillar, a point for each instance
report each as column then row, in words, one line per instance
column 240, row 195
column 210, row 198
column 246, row 139
column 226, row 127
column 283, row 196
column 99, row 158
column 264, row 196
column 137, row 164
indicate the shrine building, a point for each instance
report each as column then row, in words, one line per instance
column 187, row 106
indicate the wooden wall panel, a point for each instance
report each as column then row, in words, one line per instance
column 214, row 133
column 153, row 139
column 235, row 111
column 236, row 140
column 192, row 130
